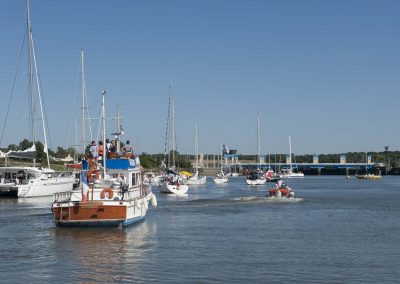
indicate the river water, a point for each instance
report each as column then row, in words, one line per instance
column 340, row 231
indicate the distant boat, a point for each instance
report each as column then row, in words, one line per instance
column 257, row 177
column 172, row 181
column 196, row 178
column 221, row 176
column 367, row 174
column 289, row 173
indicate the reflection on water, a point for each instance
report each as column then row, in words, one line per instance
column 98, row 255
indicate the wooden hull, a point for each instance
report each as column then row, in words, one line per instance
column 99, row 214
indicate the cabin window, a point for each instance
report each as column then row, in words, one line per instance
column 133, row 179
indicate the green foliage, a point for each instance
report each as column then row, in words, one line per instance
column 148, row 162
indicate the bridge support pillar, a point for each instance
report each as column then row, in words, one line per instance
column 347, row 171
column 319, row 171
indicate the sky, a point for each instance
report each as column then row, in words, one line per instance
column 327, row 73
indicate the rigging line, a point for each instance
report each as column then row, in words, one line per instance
column 46, row 121
column 13, row 88
column 73, row 115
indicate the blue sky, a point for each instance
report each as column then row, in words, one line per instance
column 325, row 72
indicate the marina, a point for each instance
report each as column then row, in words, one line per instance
column 218, row 233
column 181, row 185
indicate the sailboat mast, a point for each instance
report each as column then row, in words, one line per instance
column 290, row 154
column 103, row 119
column 83, row 100
column 173, row 134
column 33, row 71
column 196, row 150
column 30, row 71
column 258, row 141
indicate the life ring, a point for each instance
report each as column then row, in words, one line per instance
column 91, row 173
column 109, row 191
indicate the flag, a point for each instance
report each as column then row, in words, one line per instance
column 84, row 186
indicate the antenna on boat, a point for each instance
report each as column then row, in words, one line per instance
column 103, row 119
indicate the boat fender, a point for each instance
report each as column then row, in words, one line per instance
column 278, row 193
column 104, row 192
column 146, row 205
column 137, row 204
column 153, row 200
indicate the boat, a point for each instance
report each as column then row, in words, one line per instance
column 172, row 180
column 221, row 177
column 257, row 177
column 33, row 181
column 290, row 173
column 111, row 195
column 281, row 190
column 367, row 174
column 195, row 178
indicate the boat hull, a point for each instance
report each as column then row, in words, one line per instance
column 194, row 181
column 173, row 188
column 256, row 181
column 8, row 191
column 220, row 180
column 98, row 214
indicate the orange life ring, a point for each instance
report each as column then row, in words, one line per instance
column 107, row 190
column 91, row 173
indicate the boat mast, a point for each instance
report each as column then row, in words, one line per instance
column 83, row 101
column 34, row 68
column 258, row 142
column 290, row 155
column 196, row 150
column 103, row 119
column 173, row 135
column 30, row 72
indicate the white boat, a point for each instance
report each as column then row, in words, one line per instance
column 289, row 173
column 221, row 176
column 172, row 181
column 257, row 177
column 115, row 196
column 196, row 179
column 33, row 181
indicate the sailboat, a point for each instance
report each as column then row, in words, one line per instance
column 33, row 181
column 367, row 174
column 221, row 176
column 289, row 173
column 111, row 195
column 257, row 177
column 172, row 180
column 196, row 178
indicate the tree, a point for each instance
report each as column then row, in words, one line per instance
column 25, row 144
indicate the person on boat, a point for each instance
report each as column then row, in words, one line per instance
column 127, row 149
column 94, row 150
column 278, row 184
column 101, row 151
column 113, row 147
column 108, row 147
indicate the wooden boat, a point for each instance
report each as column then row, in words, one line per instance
column 118, row 199
column 112, row 194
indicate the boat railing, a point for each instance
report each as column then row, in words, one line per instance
column 62, row 196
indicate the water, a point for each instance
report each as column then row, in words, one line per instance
column 342, row 231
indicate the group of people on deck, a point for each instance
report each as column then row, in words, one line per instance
column 97, row 151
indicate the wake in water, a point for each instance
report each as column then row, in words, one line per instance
column 267, row 199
